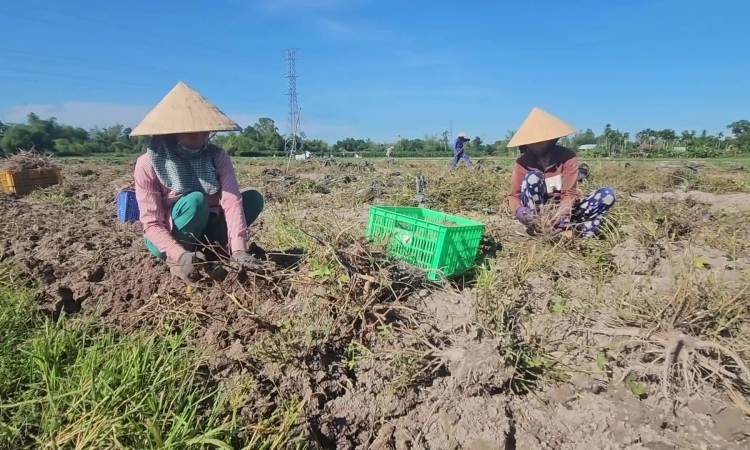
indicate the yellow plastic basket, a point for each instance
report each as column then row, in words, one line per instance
column 22, row 182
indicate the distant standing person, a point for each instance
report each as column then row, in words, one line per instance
column 458, row 150
column 389, row 152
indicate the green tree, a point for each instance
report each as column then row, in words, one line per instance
column 741, row 132
column 740, row 128
column 583, row 138
column 17, row 138
column 263, row 138
column 316, row 147
column 445, row 140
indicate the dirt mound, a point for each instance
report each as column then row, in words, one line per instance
column 462, row 403
column 576, row 417
column 92, row 263
column 631, row 257
column 719, row 202
column 82, row 258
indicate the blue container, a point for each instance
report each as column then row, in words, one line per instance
column 127, row 207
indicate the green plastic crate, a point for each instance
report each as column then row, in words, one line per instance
column 443, row 244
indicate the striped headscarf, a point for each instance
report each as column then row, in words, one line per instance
column 182, row 172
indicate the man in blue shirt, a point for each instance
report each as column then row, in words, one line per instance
column 458, row 150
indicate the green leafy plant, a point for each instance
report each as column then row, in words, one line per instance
column 601, row 362
column 355, row 352
column 559, row 305
column 320, row 269
column 638, row 389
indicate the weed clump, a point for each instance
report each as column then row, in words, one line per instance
column 463, row 190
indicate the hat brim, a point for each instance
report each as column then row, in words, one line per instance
column 540, row 126
column 184, row 110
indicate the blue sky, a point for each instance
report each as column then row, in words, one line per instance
column 383, row 69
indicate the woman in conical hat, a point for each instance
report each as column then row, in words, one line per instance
column 187, row 190
column 458, row 150
column 547, row 172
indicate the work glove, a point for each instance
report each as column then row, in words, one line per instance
column 246, row 260
column 186, row 265
column 563, row 228
column 525, row 215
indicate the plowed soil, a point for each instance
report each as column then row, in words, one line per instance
column 384, row 360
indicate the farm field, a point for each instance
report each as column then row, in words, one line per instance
column 639, row 339
column 723, row 161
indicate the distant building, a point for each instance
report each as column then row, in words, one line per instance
column 587, row 147
column 304, row 156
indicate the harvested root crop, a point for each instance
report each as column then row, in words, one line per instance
column 27, row 159
column 683, row 361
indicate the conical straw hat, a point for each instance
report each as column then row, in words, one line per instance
column 184, row 110
column 462, row 134
column 540, row 126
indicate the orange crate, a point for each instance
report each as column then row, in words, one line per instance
column 22, row 182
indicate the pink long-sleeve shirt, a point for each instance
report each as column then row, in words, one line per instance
column 155, row 202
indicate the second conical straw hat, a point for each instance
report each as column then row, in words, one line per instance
column 184, row 110
column 540, row 126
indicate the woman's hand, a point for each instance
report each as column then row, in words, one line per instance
column 246, row 260
column 525, row 215
column 185, row 266
column 556, row 196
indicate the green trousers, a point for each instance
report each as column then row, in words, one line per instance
column 192, row 218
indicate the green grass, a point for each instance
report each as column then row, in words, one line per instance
column 63, row 198
column 81, row 385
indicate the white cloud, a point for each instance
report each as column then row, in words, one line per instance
column 92, row 114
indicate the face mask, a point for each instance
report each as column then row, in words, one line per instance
column 190, row 151
column 187, row 151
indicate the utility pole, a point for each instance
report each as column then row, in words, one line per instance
column 450, row 130
column 293, row 119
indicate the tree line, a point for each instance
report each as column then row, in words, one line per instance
column 264, row 139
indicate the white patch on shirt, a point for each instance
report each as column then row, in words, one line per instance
column 553, row 183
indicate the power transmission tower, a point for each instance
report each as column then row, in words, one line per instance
column 290, row 146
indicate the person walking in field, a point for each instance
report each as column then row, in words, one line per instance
column 548, row 173
column 458, row 150
column 187, row 190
